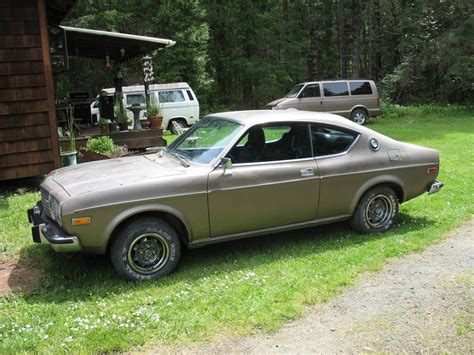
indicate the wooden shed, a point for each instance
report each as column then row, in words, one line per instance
column 28, row 136
column 29, row 144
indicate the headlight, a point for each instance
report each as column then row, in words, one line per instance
column 55, row 210
column 275, row 107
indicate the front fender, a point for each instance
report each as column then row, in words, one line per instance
column 147, row 208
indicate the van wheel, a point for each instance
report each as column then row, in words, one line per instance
column 376, row 211
column 180, row 122
column 146, row 248
column 359, row 116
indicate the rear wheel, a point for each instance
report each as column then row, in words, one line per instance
column 146, row 248
column 359, row 116
column 180, row 122
column 376, row 211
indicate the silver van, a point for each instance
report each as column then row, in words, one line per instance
column 353, row 99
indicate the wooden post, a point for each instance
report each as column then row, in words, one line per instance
column 147, row 78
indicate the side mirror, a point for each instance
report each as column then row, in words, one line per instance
column 226, row 164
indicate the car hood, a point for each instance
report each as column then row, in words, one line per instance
column 277, row 101
column 113, row 173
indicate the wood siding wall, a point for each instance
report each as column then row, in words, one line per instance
column 28, row 137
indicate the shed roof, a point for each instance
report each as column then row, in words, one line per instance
column 83, row 42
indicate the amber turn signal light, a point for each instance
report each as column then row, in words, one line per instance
column 79, row 221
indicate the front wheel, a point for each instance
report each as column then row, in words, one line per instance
column 146, row 248
column 376, row 211
column 359, row 116
column 181, row 126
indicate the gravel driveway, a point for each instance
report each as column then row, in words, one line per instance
column 418, row 303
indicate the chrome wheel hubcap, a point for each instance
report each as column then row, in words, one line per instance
column 148, row 253
column 378, row 211
column 359, row 118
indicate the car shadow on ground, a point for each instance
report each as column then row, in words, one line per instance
column 84, row 276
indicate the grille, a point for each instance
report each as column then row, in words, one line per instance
column 45, row 199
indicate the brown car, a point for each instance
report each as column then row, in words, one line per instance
column 232, row 175
column 353, row 99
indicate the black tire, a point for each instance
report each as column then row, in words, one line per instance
column 376, row 211
column 181, row 122
column 359, row 116
column 146, row 248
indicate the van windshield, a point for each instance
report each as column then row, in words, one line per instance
column 294, row 92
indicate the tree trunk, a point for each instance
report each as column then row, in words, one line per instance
column 342, row 39
column 356, row 29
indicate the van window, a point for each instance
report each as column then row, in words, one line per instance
column 191, row 98
column 328, row 140
column 335, row 89
column 360, row 88
column 171, row 96
column 135, row 99
column 311, row 90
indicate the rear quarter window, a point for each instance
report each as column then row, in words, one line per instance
column 335, row 89
column 360, row 88
column 331, row 140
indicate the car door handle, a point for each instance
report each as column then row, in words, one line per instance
column 307, row 172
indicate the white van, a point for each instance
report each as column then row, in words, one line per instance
column 178, row 101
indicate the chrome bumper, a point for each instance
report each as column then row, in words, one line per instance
column 45, row 231
column 435, row 187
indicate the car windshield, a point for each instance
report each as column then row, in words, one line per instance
column 204, row 141
column 293, row 92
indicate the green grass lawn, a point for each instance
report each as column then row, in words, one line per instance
column 232, row 288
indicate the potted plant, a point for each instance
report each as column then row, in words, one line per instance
column 122, row 117
column 69, row 157
column 104, row 125
column 155, row 114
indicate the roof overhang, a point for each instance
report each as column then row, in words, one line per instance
column 83, row 42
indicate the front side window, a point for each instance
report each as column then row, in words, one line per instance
column 205, row 140
column 294, row 92
column 328, row 141
column 311, row 90
column 360, row 88
column 335, row 89
column 135, row 99
column 273, row 143
column 171, row 96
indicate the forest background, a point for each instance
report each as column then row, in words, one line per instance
column 241, row 54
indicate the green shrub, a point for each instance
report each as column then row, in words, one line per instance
column 102, row 145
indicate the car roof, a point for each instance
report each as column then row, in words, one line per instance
column 256, row 117
column 334, row 81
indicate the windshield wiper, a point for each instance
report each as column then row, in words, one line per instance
column 182, row 159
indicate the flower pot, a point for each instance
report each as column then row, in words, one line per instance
column 155, row 121
column 104, row 129
column 68, row 158
column 123, row 126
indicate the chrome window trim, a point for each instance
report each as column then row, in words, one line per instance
column 273, row 162
column 216, row 163
column 347, row 151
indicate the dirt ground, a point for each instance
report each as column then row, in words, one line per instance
column 421, row 303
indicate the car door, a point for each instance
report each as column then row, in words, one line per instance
column 310, row 98
column 278, row 186
column 340, row 168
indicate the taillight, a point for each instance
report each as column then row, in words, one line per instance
column 433, row 170
column 378, row 101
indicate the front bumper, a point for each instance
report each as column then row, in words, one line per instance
column 44, row 231
column 434, row 187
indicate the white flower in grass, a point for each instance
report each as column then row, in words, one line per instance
column 69, row 339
